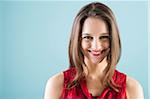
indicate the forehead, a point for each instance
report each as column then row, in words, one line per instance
column 94, row 26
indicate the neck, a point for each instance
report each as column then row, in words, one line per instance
column 95, row 70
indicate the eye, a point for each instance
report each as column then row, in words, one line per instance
column 104, row 38
column 87, row 37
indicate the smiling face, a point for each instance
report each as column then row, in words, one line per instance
column 95, row 40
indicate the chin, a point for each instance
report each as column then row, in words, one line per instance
column 97, row 61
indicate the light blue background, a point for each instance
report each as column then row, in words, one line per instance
column 34, row 40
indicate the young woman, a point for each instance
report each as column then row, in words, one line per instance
column 94, row 51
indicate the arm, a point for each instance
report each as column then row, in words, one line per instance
column 134, row 89
column 54, row 87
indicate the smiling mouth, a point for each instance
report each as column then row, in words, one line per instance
column 96, row 54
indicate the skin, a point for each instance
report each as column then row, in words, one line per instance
column 94, row 28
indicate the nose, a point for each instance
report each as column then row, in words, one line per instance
column 96, row 45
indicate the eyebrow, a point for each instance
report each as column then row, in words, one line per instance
column 90, row 34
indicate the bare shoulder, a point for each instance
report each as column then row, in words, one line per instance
column 54, row 87
column 134, row 89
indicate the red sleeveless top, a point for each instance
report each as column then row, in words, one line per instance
column 81, row 91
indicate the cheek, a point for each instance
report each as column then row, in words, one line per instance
column 85, row 45
column 106, row 45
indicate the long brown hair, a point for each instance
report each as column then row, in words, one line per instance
column 76, row 57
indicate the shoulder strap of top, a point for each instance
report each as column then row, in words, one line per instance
column 69, row 75
column 119, row 78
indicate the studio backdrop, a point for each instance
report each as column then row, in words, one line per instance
column 34, row 37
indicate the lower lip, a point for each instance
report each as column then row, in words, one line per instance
column 95, row 55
